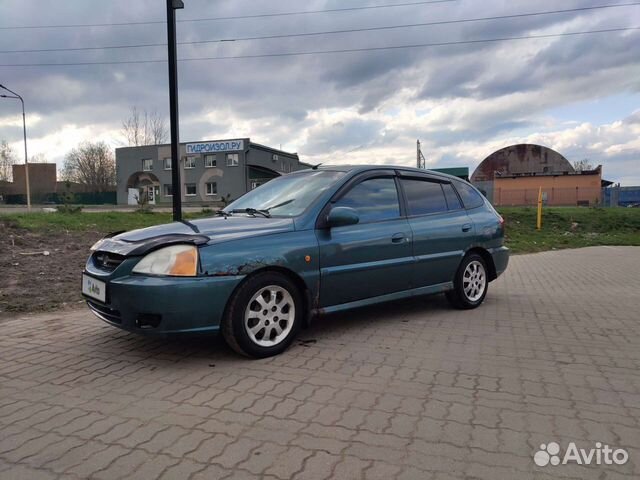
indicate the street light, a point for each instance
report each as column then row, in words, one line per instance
column 24, row 131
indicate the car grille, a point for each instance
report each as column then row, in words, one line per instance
column 105, row 313
column 107, row 261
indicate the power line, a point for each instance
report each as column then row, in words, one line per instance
column 235, row 17
column 322, row 52
column 331, row 32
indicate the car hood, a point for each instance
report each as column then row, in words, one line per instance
column 205, row 230
column 216, row 228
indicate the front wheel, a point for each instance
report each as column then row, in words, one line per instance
column 470, row 284
column 263, row 316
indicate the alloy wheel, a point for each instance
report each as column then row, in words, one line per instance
column 269, row 316
column 474, row 281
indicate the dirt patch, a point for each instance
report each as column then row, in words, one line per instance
column 31, row 281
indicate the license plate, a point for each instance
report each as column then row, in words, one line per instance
column 94, row 288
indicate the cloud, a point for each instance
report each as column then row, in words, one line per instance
column 462, row 101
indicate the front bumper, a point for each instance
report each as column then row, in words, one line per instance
column 164, row 305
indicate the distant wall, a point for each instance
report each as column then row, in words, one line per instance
column 557, row 190
column 42, row 179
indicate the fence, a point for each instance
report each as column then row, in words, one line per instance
column 81, row 198
column 617, row 196
column 581, row 196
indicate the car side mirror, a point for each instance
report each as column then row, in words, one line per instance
column 341, row 216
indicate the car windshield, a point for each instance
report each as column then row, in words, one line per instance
column 288, row 196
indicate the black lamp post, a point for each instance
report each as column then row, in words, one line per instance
column 172, row 6
column 24, row 131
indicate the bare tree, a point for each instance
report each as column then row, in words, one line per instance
column 7, row 160
column 38, row 158
column 582, row 165
column 158, row 128
column 144, row 128
column 91, row 164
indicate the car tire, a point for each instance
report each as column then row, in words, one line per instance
column 263, row 315
column 470, row 284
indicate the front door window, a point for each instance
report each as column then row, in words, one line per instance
column 375, row 199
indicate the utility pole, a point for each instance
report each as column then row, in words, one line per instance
column 24, row 132
column 172, row 6
column 421, row 162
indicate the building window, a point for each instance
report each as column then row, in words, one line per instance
column 190, row 162
column 232, row 160
column 212, row 188
column 147, row 165
column 167, row 163
column 168, row 190
column 190, row 189
column 210, row 161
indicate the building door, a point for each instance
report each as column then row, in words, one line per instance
column 132, row 196
column 151, row 191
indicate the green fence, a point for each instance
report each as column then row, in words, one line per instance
column 83, row 198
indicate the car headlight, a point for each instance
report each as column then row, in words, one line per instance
column 176, row 260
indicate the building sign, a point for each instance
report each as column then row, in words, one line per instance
column 212, row 147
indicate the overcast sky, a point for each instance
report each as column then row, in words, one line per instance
column 577, row 94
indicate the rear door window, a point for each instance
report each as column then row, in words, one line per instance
column 375, row 199
column 453, row 202
column 423, row 196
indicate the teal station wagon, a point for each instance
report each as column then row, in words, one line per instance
column 316, row 241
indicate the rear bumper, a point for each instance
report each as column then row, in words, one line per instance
column 500, row 257
column 165, row 305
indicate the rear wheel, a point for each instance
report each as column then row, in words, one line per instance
column 263, row 316
column 470, row 284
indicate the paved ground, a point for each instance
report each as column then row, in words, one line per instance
column 410, row 390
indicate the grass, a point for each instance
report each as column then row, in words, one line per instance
column 563, row 227
column 95, row 221
column 570, row 227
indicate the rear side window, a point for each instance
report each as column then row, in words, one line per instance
column 470, row 197
column 424, row 197
column 375, row 199
column 453, row 202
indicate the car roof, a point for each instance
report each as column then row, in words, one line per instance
column 364, row 168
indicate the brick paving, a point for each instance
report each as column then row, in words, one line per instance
column 408, row 390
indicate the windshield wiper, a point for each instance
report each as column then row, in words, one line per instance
column 252, row 211
column 222, row 213
column 262, row 211
column 286, row 202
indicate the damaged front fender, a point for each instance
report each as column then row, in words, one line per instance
column 244, row 268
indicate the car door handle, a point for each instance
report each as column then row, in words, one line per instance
column 466, row 227
column 398, row 238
